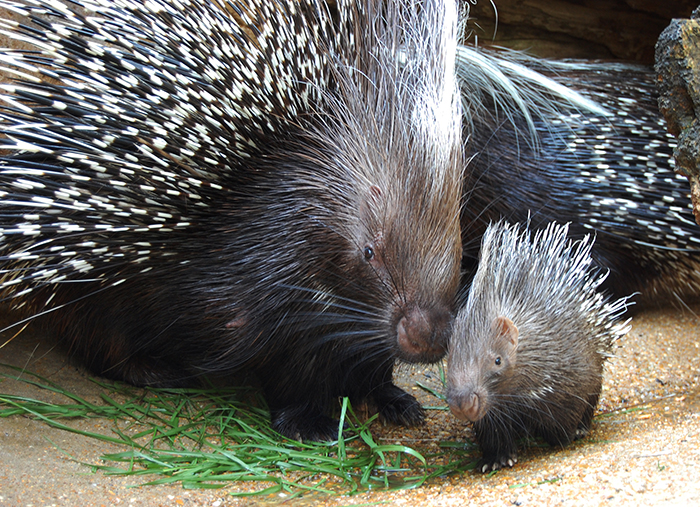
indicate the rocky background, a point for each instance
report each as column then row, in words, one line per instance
column 605, row 29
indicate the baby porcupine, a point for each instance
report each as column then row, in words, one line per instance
column 527, row 349
column 198, row 188
column 579, row 142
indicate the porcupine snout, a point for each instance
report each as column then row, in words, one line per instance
column 424, row 332
column 466, row 404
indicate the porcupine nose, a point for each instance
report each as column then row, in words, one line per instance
column 422, row 334
column 465, row 407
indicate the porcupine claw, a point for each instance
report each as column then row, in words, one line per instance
column 300, row 423
column 496, row 463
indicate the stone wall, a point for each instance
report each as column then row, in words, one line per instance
column 605, row 29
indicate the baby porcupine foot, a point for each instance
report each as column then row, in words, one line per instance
column 496, row 462
column 499, row 449
column 584, row 426
column 581, row 432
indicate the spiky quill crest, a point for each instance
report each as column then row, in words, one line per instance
column 528, row 347
column 524, row 276
column 211, row 186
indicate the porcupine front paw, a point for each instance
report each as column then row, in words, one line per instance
column 299, row 422
column 396, row 406
column 491, row 462
column 497, row 445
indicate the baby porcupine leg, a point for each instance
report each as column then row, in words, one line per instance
column 561, row 432
column 498, row 445
column 584, row 427
column 571, row 426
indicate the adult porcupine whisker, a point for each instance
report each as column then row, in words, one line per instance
column 354, row 310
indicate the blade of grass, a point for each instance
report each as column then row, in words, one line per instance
column 207, row 438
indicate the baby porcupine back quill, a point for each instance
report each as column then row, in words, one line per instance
column 196, row 188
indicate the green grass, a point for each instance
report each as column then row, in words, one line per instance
column 214, row 437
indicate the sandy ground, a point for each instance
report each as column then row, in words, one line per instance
column 646, row 456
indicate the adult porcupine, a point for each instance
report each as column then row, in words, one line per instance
column 195, row 188
column 600, row 158
column 528, row 347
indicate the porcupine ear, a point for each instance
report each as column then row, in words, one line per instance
column 506, row 330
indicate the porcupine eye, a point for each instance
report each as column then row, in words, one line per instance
column 498, row 361
column 369, row 252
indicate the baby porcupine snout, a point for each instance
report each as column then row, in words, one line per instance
column 467, row 405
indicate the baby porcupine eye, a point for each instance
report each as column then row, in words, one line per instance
column 498, row 361
column 369, row 252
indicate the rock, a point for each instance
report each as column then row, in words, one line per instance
column 607, row 29
column 677, row 67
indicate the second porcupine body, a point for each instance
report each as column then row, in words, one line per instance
column 528, row 347
column 610, row 173
column 189, row 192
